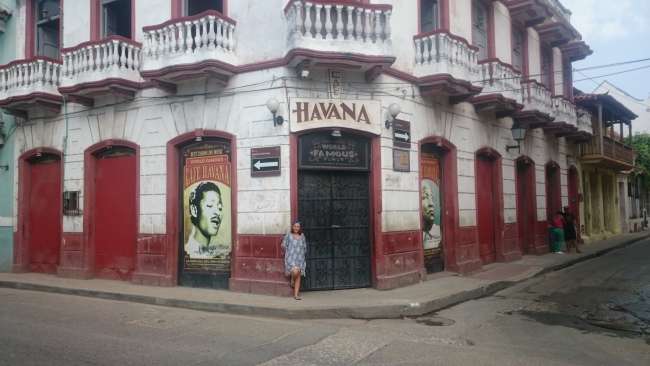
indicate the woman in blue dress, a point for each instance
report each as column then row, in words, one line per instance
column 295, row 247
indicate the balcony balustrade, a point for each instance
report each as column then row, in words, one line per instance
column 611, row 153
column 95, row 68
column 30, row 84
column 343, row 33
column 565, row 118
column 446, row 64
column 502, row 90
column 185, row 48
column 584, row 120
column 538, row 105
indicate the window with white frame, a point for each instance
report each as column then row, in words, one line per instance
column 518, row 49
column 193, row 7
column 48, row 26
column 429, row 15
column 480, row 21
column 116, row 18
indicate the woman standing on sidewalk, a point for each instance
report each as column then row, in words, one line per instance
column 570, row 232
column 295, row 248
column 557, row 233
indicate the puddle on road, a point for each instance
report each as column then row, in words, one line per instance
column 435, row 321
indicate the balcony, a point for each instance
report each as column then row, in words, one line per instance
column 446, row 65
column 607, row 152
column 565, row 118
column 585, row 130
column 109, row 66
column 538, row 105
column 341, row 34
column 193, row 47
column 501, row 92
column 30, row 85
column 528, row 12
column 556, row 33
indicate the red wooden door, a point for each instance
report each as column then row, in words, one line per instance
column 574, row 205
column 553, row 197
column 115, row 221
column 44, row 215
column 486, row 208
column 526, row 208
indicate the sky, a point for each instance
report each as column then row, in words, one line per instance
column 617, row 31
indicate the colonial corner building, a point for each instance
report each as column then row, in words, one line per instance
column 172, row 142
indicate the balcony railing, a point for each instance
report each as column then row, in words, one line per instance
column 332, row 26
column 584, row 120
column 94, row 63
column 499, row 78
column 180, row 43
column 537, row 97
column 443, row 53
column 611, row 149
column 564, row 111
column 25, row 81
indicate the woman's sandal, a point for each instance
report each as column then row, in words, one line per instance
column 297, row 298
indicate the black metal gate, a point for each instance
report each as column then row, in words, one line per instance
column 334, row 210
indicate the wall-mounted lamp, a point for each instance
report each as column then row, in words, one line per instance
column 273, row 105
column 518, row 134
column 302, row 69
column 393, row 110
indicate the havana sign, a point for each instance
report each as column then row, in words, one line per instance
column 306, row 113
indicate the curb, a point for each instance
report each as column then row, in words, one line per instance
column 368, row 312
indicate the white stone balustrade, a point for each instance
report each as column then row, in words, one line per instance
column 537, row 97
column 564, row 111
column 442, row 53
column 498, row 78
column 185, row 41
column 20, row 79
column 584, row 120
column 334, row 26
column 110, row 58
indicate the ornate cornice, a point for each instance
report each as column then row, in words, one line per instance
column 5, row 14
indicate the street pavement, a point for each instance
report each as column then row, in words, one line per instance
column 592, row 313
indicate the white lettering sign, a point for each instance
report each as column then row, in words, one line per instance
column 361, row 115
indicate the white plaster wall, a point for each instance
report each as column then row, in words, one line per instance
column 460, row 18
column 76, row 22
column 558, row 76
column 534, row 55
column 151, row 12
column 404, row 26
column 502, row 32
column 258, row 23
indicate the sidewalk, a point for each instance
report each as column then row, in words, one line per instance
column 439, row 291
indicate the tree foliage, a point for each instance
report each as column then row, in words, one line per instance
column 641, row 144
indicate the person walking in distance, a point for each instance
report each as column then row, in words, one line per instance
column 557, row 233
column 570, row 232
column 295, row 248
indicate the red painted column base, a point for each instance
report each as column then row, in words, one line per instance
column 152, row 261
column 402, row 261
column 258, row 266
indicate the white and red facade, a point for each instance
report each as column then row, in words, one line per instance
column 184, row 79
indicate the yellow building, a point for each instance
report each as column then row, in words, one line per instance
column 606, row 160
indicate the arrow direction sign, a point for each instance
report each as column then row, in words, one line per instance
column 402, row 134
column 265, row 161
column 260, row 164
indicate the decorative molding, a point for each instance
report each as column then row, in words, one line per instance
column 5, row 14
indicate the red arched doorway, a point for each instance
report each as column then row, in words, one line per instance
column 40, row 208
column 553, row 189
column 111, row 181
column 489, row 203
column 574, row 195
column 526, row 203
